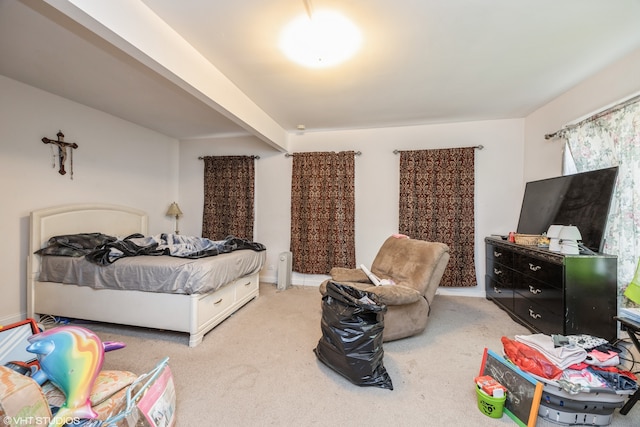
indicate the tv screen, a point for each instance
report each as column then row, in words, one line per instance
column 581, row 199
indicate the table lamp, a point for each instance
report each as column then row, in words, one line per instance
column 554, row 237
column 569, row 236
column 174, row 210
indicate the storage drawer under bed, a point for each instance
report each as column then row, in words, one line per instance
column 216, row 304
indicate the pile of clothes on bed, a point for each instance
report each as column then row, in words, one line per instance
column 102, row 249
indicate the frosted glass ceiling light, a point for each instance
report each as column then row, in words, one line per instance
column 320, row 39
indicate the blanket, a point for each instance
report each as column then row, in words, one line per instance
column 75, row 245
column 104, row 250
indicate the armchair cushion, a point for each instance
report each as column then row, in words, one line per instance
column 412, row 263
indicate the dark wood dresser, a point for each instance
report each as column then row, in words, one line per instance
column 552, row 293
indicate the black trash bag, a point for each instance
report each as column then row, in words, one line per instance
column 351, row 343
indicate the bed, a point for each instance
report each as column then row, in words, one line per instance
column 194, row 313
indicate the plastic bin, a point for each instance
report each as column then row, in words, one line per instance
column 489, row 405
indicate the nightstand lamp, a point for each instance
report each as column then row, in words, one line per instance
column 554, row 237
column 569, row 236
column 174, row 210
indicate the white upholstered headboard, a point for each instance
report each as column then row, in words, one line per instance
column 85, row 218
column 113, row 220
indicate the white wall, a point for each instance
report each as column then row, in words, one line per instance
column 618, row 81
column 498, row 183
column 116, row 162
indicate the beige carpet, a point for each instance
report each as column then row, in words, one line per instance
column 258, row 367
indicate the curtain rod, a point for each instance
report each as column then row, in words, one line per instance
column 253, row 157
column 596, row 116
column 479, row 147
column 357, row 153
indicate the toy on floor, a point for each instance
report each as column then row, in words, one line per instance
column 71, row 358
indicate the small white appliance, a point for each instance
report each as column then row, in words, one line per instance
column 284, row 270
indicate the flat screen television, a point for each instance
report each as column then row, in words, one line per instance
column 582, row 199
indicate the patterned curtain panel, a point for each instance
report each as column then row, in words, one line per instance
column 228, row 197
column 322, row 211
column 437, row 204
column 613, row 139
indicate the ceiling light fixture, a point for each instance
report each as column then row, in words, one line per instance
column 320, row 39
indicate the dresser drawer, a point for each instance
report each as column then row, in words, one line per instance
column 539, row 269
column 543, row 293
column 499, row 272
column 498, row 254
column 546, row 320
column 499, row 293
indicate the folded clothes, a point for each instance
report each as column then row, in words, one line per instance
column 562, row 357
column 586, row 341
column 600, row 358
column 617, row 381
column 584, row 379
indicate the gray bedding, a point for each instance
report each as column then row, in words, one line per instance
column 165, row 274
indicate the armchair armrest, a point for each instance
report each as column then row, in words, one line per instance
column 395, row 294
column 341, row 274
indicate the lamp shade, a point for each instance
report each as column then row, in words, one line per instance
column 570, row 232
column 174, row 210
column 554, row 231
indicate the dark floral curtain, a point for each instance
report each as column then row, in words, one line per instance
column 322, row 211
column 228, row 197
column 437, row 204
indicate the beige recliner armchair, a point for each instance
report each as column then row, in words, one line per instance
column 415, row 267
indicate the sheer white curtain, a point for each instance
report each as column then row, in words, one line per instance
column 613, row 140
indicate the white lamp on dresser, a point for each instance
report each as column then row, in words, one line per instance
column 554, row 237
column 569, row 237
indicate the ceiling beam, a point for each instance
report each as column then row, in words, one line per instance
column 133, row 28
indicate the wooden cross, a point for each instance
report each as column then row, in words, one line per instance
column 62, row 151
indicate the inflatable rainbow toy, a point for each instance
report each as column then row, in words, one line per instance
column 71, row 357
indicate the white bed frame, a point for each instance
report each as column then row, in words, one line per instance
column 195, row 314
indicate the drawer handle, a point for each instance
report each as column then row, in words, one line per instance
column 534, row 267
column 533, row 290
column 497, row 272
column 218, row 302
column 534, row 315
column 496, row 290
column 497, row 254
column 247, row 284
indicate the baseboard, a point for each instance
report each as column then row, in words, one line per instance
column 474, row 291
column 6, row 320
column 296, row 278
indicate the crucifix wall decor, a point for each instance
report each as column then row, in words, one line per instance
column 62, row 152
